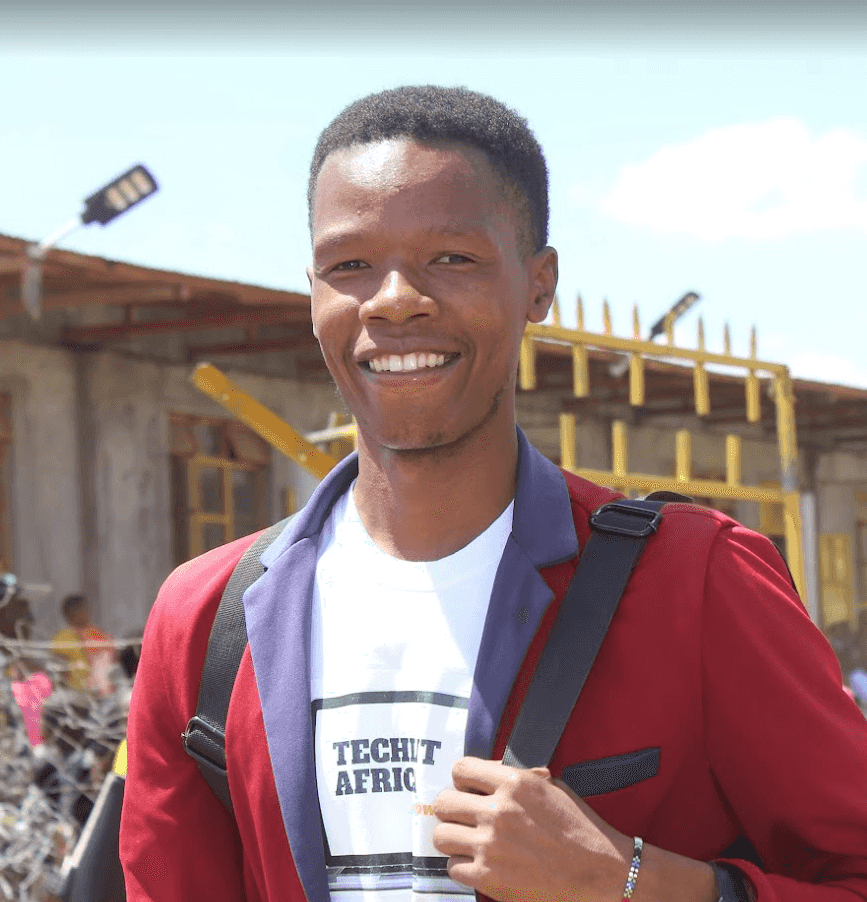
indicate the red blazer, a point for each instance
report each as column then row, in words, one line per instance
column 714, row 710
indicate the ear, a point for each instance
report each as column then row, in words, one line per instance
column 544, row 273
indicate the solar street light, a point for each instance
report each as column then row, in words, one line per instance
column 103, row 206
column 620, row 366
column 677, row 311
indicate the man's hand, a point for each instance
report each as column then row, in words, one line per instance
column 519, row 836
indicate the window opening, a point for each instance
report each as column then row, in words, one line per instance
column 219, row 474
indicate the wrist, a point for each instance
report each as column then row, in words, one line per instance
column 634, row 869
column 668, row 877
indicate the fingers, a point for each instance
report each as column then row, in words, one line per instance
column 460, row 807
column 455, row 840
column 479, row 775
column 460, row 844
column 468, row 871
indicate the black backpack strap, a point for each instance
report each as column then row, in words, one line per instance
column 205, row 736
column 620, row 532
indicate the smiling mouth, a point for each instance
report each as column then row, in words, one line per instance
column 402, row 363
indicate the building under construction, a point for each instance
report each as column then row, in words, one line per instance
column 115, row 466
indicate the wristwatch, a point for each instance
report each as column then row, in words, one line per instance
column 731, row 884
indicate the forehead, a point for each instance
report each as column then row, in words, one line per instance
column 443, row 179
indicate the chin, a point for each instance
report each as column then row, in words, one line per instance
column 434, row 446
column 419, row 437
column 418, row 443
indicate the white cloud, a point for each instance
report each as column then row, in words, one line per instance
column 828, row 368
column 765, row 180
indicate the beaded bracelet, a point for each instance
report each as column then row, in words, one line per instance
column 632, row 877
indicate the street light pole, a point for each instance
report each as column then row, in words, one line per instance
column 31, row 279
column 103, row 206
column 621, row 365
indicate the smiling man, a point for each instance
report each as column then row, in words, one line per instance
column 394, row 632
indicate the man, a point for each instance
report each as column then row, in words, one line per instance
column 401, row 614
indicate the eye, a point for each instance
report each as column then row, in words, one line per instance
column 349, row 266
column 453, row 259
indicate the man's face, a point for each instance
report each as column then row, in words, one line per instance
column 420, row 291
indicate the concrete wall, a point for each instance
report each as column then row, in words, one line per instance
column 90, row 501
column 128, row 548
column 129, row 402
column 840, row 475
column 45, row 508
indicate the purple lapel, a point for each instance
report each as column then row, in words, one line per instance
column 543, row 533
column 278, row 610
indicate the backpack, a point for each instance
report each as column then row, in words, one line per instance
column 620, row 530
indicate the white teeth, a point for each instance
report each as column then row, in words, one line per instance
column 395, row 363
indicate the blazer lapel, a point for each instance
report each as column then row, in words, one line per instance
column 543, row 533
column 278, row 611
column 518, row 601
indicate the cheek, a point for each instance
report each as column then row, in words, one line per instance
column 501, row 330
column 333, row 319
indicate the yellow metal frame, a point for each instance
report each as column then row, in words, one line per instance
column 198, row 517
column 638, row 349
column 859, row 559
column 836, row 576
column 265, row 422
column 305, row 453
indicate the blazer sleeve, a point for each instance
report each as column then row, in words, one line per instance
column 787, row 746
column 177, row 841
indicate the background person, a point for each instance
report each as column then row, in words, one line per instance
column 83, row 644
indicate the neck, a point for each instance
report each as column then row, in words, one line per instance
column 426, row 505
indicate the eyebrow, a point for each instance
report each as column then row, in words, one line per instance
column 338, row 239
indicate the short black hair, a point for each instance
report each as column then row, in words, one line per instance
column 433, row 113
column 71, row 602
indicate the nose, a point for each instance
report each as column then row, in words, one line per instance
column 397, row 300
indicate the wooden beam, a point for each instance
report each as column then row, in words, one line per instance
column 197, row 352
column 113, row 297
column 71, row 265
column 254, row 295
column 834, row 425
column 238, row 318
column 313, row 363
column 14, row 265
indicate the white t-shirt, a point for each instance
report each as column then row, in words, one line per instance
column 394, row 648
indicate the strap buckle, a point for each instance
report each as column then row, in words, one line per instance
column 205, row 743
column 626, row 519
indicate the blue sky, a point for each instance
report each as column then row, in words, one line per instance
column 684, row 154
